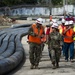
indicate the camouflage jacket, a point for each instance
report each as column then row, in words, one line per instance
column 55, row 39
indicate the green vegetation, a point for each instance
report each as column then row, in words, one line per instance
column 41, row 2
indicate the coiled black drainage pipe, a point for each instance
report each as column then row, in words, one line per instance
column 1, row 38
column 10, row 60
column 9, row 63
column 20, row 25
column 2, row 32
column 11, row 48
column 4, row 44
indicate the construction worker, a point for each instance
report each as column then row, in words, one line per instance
column 55, row 51
column 48, row 31
column 50, row 17
column 61, row 29
column 74, row 32
column 35, row 33
column 68, row 40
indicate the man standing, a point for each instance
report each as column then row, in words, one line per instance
column 61, row 30
column 35, row 33
column 68, row 40
column 55, row 51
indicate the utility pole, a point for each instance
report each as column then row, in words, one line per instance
column 50, row 6
column 64, row 12
column 74, row 9
column 50, row 9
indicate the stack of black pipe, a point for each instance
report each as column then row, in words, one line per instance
column 12, row 52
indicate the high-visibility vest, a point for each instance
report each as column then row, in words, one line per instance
column 68, row 36
column 74, row 32
column 36, row 39
column 61, row 29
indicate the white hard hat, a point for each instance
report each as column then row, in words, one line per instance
column 63, row 21
column 55, row 25
column 39, row 20
column 54, row 20
column 51, row 23
column 70, row 22
column 66, row 23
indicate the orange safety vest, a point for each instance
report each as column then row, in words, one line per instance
column 68, row 36
column 36, row 39
column 61, row 29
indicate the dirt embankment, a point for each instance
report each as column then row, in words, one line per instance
column 5, row 22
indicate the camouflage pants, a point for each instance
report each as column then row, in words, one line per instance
column 34, row 53
column 42, row 46
column 55, row 54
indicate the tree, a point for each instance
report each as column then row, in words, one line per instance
column 11, row 2
column 70, row 1
column 57, row 2
column 29, row 1
column 41, row 2
column 54, row 2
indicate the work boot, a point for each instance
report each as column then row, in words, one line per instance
column 31, row 67
column 36, row 67
column 71, row 60
column 53, row 67
column 66, row 60
column 57, row 65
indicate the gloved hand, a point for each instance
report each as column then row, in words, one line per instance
column 35, row 34
column 60, row 47
column 42, row 35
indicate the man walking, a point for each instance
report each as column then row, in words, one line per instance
column 35, row 33
column 68, row 40
column 55, row 51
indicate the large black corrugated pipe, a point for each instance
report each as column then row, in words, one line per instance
column 20, row 25
column 12, row 38
column 11, row 48
column 18, row 40
column 19, row 46
column 1, row 38
column 2, row 32
column 14, row 60
column 4, row 44
column 10, row 63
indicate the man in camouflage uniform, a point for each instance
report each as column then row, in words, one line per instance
column 55, row 46
column 35, row 33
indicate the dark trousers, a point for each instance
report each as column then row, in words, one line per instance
column 67, row 47
column 34, row 53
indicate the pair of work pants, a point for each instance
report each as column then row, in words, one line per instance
column 34, row 53
column 67, row 47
